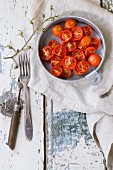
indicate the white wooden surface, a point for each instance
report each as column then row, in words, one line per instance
column 29, row 155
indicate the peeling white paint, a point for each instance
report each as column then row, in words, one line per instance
column 27, row 155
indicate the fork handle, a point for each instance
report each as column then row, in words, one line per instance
column 14, row 127
column 28, row 119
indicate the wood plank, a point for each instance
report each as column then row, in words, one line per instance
column 69, row 143
column 27, row 155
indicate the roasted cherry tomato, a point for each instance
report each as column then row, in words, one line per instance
column 66, row 72
column 89, row 50
column 81, row 47
column 69, row 62
column 56, row 30
column 78, row 54
column 95, row 42
column 53, row 43
column 70, row 23
column 66, row 35
column 82, row 67
column 56, row 60
column 60, row 50
column 86, row 41
column 87, row 30
column 56, row 71
column 70, row 45
column 94, row 60
column 47, row 53
column 77, row 33
column 77, row 71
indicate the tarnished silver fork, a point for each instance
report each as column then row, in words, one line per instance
column 24, row 63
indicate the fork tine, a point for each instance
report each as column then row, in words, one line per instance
column 20, row 64
column 23, row 64
column 26, row 64
column 29, row 65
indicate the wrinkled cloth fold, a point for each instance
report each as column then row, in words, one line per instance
column 95, row 100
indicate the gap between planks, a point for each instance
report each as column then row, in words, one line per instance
column 44, row 131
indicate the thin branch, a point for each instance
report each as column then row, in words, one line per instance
column 24, row 38
column 10, row 47
column 17, row 52
column 51, row 9
column 16, row 65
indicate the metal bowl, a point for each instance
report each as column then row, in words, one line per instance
column 92, row 75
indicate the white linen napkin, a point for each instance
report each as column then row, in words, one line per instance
column 80, row 96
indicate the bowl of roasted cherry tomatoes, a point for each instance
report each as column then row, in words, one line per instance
column 72, row 48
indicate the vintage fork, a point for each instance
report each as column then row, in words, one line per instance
column 24, row 63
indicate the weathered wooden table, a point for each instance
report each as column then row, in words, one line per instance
column 67, row 140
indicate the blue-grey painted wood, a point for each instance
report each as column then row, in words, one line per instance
column 69, row 143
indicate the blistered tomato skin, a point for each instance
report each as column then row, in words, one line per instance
column 56, row 60
column 66, row 35
column 86, row 41
column 60, row 50
column 89, row 51
column 77, row 33
column 69, row 62
column 82, row 67
column 95, row 42
column 66, row 72
column 56, row 71
column 53, row 43
column 47, row 53
column 70, row 46
column 94, row 60
column 79, row 55
column 87, row 30
column 56, row 30
column 70, row 23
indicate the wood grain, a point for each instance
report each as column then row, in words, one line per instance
column 26, row 155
